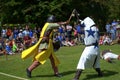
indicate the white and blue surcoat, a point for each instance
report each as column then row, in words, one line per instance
column 91, row 32
column 90, row 57
column 91, row 35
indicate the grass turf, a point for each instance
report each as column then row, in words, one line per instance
column 69, row 57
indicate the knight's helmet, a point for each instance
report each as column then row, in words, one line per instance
column 51, row 19
column 87, row 22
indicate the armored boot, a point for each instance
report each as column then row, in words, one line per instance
column 28, row 73
column 77, row 74
column 100, row 74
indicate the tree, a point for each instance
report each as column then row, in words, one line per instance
column 37, row 11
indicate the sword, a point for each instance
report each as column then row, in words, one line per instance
column 77, row 15
column 72, row 15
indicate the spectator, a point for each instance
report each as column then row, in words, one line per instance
column 113, row 33
column 107, row 27
column 31, row 33
column 69, row 31
column 78, row 28
column 14, row 47
column 20, row 35
column 61, row 31
column 34, row 39
column 19, row 43
column 107, row 40
column 60, row 38
column 75, row 33
column 117, row 41
column 114, row 25
column 101, row 40
column 15, row 32
column 67, row 42
column 1, row 46
column 26, row 31
column 27, row 41
column 8, row 32
column 38, row 32
column 4, row 33
column 8, row 47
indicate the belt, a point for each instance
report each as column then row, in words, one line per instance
column 94, row 44
column 89, row 45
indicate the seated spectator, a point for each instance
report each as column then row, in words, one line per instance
column 108, row 55
column 8, row 32
column 69, row 31
column 60, row 38
column 101, row 40
column 73, row 42
column 20, row 34
column 67, row 43
column 27, row 41
column 3, row 33
column 75, row 33
column 11, row 42
column 8, row 49
column 107, row 40
column 1, row 46
column 118, row 39
column 19, row 43
column 14, row 47
column 34, row 39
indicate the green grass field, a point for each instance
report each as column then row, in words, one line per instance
column 14, row 67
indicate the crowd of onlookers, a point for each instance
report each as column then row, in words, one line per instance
column 17, row 39
column 14, row 40
column 112, row 34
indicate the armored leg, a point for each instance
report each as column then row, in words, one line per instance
column 77, row 74
column 99, row 72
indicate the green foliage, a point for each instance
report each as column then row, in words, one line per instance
column 37, row 11
column 112, row 6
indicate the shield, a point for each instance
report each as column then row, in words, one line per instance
column 56, row 45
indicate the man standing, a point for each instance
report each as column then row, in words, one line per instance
column 90, row 56
column 43, row 49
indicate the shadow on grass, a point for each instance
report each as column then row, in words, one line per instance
column 106, row 73
column 67, row 73
column 63, row 74
column 43, row 76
